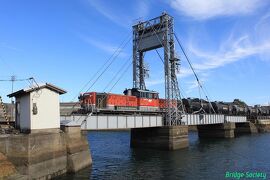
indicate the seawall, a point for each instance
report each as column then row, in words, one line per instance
column 44, row 155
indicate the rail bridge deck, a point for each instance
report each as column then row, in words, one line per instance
column 127, row 121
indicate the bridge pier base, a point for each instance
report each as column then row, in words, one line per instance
column 163, row 138
column 245, row 128
column 225, row 130
column 263, row 125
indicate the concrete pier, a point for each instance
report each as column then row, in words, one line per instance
column 245, row 128
column 163, row 138
column 263, row 125
column 225, row 130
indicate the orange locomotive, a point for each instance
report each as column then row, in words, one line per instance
column 132, row 100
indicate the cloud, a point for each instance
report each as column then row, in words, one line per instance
column 201, row 10
column 124, row 19
column 5, row 45
column 238, row 51
column 106, row 12
column 109, row 48
column 255, row 42
column 251, row 42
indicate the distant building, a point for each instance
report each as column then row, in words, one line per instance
column 37, row 108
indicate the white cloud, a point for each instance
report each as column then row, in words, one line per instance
column 199, row 9
column 236, row 52
column 109, row 48
column 126, row 18
column 106, row 12
column 5, row 45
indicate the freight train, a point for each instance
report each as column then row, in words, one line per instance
column 148, row 101
column 237, row 107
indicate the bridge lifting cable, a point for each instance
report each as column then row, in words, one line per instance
column 120, row 77
column 181, row 90
column 90, row 113
column 107, row 67
column 104, row 68
column 108, row 62
column 116, row 74
column 181, row 106
column 195, row 74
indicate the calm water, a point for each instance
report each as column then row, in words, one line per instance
column 204, row 159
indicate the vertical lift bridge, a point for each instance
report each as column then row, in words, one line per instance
column 153, row 34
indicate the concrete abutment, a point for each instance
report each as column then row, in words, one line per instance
column 46, row 154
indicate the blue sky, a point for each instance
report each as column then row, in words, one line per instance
column 66, row 42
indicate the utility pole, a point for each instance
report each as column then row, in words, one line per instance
column 13, row 79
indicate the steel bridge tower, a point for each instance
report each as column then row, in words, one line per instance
column 153, row 34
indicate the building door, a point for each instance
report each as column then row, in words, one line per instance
column 18, row 114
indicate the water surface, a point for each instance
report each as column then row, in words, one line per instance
column 204, row 159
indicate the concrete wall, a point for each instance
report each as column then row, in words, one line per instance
column 48, row 115
column 78, row 153
column 46, row 155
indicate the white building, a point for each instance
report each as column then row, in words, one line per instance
column 37, row 108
